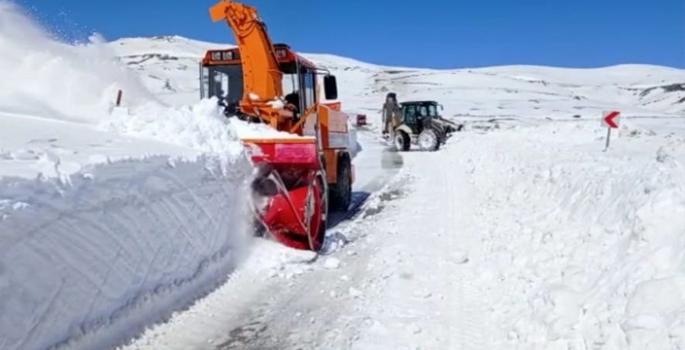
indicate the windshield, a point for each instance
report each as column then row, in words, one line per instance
column 224, row 82
column 422, row 110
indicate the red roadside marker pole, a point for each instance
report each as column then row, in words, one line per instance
column 610, row 120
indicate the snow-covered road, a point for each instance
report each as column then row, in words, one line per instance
column 399, row 285
column 384, row 290
column 374, row 167
column 231, row 315
column 404, row 282
column 495, row 242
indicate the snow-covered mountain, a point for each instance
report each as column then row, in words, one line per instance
column 170, row 68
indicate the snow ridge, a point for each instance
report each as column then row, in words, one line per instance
column 577, row 238
column 119, row 247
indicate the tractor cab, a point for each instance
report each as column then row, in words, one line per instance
column 416, row 113
column 221, row 76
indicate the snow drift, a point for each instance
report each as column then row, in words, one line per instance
column 585, row 247
column 108, row 222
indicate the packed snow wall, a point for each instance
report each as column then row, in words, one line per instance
column 117, row 248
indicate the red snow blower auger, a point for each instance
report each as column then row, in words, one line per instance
column 307, row 172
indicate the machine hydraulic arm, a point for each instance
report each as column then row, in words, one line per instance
column 261, row 74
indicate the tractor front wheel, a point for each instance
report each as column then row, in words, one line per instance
column 402, row 141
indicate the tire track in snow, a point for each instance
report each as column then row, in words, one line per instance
column 449, row 192
column 315, row 310
column 469, row 322
column 414, row 286
column 402, row 283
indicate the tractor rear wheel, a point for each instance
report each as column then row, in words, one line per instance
column 429, row 140
column 441, row 131
column 341, row 191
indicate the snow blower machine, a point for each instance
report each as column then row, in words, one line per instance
column 306, row 173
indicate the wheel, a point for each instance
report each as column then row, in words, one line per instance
column 428, row 140
column 340, row 193
column 441, row 131
column 319, row 219
column 402, row 141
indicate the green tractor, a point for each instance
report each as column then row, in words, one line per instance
column 422, row 125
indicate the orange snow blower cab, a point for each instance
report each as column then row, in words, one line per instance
column 304, row 171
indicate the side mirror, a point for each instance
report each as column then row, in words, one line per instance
column 330, row 87
column 442, row 108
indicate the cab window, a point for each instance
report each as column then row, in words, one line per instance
column 432, row 111
column 309, row 88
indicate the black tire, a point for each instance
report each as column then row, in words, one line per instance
column 429, row 140
column 440, row 131
column 442, row 134
column 321, row 235
column 402, row 141
column 340, row 193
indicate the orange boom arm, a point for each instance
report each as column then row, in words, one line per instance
column 261, row 75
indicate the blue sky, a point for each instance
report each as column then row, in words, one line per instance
column 426, row 33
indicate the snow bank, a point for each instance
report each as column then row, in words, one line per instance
column 119, row 247
column 200, row 126
column 102, row 235
column 588, row 247
column 108, row 223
